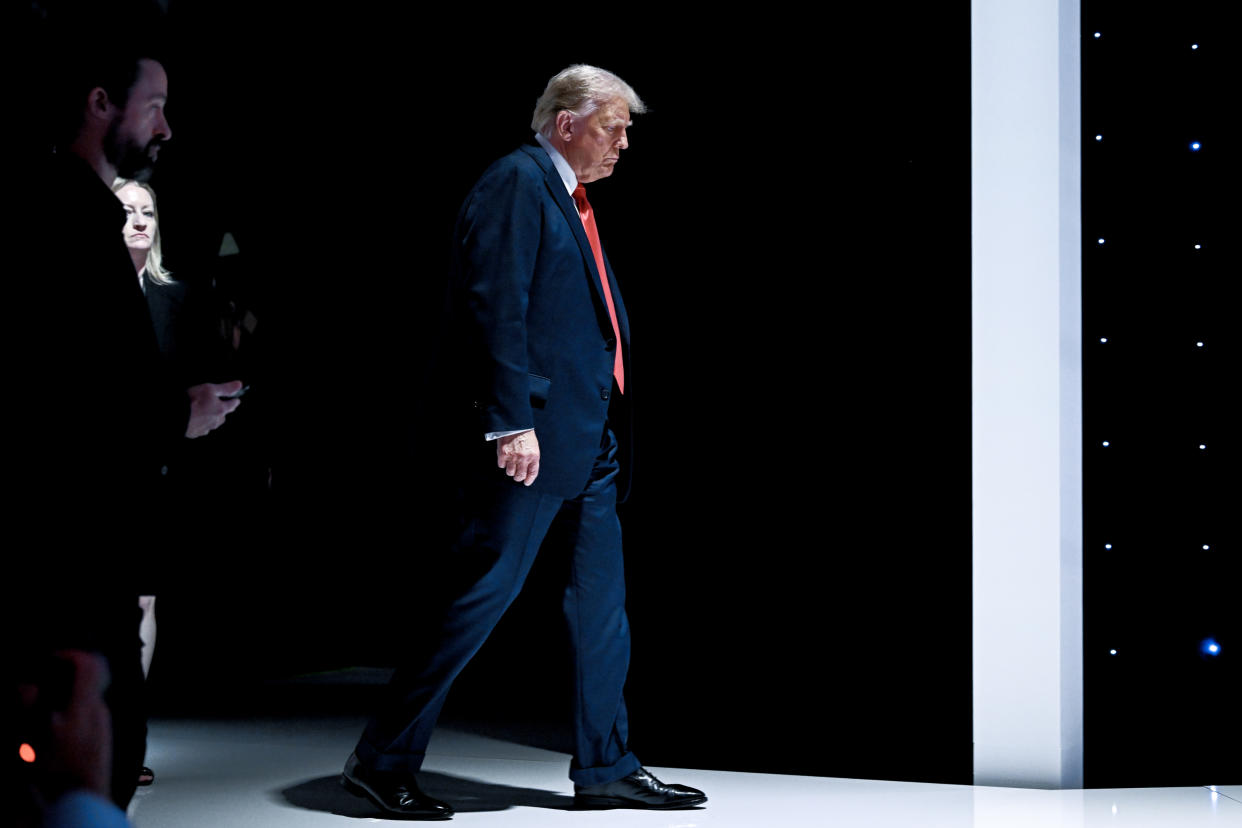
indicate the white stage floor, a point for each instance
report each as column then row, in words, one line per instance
column 281, row 773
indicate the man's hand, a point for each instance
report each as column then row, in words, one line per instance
column 207, row 410
column 518, row 455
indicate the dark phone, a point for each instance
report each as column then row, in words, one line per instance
column 244, row 389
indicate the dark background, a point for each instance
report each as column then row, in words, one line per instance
column 790, row 229
column 1161, row 568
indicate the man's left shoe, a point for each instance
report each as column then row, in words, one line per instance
column 394, row 792
column 638, row 790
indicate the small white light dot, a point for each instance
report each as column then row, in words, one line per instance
column 1114, row 810
column 1194, row 145
column 1202, row 445
column 1108, row 546
column 1112, row 652
column 1099, row 137
column 1103, row 339
column 1194, row 46
column 1198, row 247
column 1105, row 442
column 1101, row 241
column 1206, row 546
column 1213, row 648
column 1198, row 344
column 1097, row 35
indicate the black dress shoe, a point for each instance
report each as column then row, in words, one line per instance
column 396, row 793
column 638, row 790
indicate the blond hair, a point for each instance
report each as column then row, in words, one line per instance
column 155, row 257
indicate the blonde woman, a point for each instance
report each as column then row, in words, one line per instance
column 184, row 337
column 142, row 231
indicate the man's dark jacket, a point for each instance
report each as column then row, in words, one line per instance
column 92, row 410
column 536, row 341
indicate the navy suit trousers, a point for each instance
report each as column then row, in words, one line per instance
column 505, row 525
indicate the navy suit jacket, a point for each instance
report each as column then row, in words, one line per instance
column 536, row 339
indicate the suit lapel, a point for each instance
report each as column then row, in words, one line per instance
column 563, row 200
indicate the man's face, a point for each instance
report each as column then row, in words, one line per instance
column 596, row 141
column 134, row 137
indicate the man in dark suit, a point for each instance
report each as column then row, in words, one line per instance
column 544, row 340
column 96, row 408
column 99, row 406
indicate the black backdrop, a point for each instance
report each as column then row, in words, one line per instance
column 790, row 228
column 1161, row 564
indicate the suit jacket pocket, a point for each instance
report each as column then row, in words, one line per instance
column 539, row 387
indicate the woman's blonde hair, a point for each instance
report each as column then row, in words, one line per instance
column 155, row 257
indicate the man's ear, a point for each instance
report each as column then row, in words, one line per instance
column 565, row 125
column 98, row 105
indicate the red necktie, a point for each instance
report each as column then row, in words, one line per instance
column 588, row 223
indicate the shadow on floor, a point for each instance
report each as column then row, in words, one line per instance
column 465, row 795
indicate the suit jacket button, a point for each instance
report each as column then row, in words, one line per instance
column 604, row 393
column 164, row 470
column 610, row 343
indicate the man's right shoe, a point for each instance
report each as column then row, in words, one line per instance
column 394, row 792
column 638, row 790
